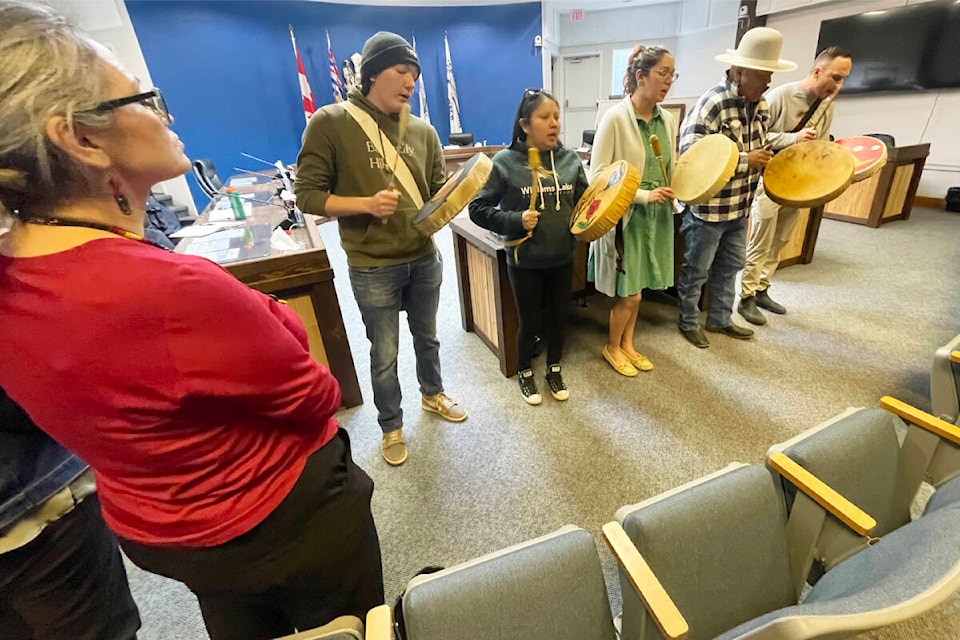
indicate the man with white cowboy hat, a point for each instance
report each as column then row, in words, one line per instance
column 715, row 233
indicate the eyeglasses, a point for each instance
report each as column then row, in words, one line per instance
column 529, row 93
column 152, row 99
column 667, row 74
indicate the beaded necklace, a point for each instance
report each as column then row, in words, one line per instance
column 72, row 222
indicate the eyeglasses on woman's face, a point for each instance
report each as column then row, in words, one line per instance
column 666, row 73
column 152, row 99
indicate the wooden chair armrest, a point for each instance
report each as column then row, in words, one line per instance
column 821, row 493
column 661, row 607
column 955, row 356
column 379, row 623
column 922, row 419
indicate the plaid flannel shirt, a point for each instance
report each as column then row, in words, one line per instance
column 721, row 110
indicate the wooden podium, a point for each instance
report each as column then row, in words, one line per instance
column 885, row 196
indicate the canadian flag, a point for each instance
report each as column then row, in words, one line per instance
column 309, row 106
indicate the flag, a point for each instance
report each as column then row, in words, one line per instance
column 424, row 112
column 452, row 92
column 309, row 106
column 335, row 82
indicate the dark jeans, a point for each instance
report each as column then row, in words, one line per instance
column 382, row 293
column 715, row 250
column 316, row 557
column 543, row 303
column 68, row 583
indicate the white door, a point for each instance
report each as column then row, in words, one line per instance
column 581, row 91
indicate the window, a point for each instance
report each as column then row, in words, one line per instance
column 620, row 58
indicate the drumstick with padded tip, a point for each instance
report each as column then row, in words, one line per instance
column 404, row 120
column 657, row 151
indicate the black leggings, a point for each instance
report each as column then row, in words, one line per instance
column 543, row 304
column 314, row 558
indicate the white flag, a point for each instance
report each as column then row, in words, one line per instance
column 424, row 112
column 452, row 92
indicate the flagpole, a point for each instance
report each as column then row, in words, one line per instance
column 424, row 111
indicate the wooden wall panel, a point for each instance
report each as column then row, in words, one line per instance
column 303, row 307
column 482, row 293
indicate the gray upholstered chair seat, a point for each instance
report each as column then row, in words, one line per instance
column 947, row 495
column 910, row 571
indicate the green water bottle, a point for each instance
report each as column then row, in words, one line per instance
column 236, row 204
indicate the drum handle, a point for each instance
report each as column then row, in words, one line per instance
column 658, row 152
column 533, row 162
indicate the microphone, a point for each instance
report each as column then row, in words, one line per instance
column 256, row 173
column 247, row 155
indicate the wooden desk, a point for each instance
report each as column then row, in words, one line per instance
column 305, row 280
column 887, row 195
column 486, row 299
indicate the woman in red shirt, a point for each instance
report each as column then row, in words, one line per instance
column 207, row 424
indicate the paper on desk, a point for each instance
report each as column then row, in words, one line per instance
column 200, row 230
column 242, row 182
column 225, row 213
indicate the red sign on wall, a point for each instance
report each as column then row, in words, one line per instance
column 576, row 15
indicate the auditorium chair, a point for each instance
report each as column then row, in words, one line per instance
column 722, row 553
column 549, row 588
column 859, row 454
column 945, row 382
column 206, row 175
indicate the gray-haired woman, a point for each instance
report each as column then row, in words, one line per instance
column 208, row 426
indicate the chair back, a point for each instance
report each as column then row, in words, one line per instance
column 206, row 175
column 550, row 588
column 945, row 383
column 461, row 139
column 718, row 546
column 859, row 455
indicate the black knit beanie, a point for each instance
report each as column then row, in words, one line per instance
column 381, row 51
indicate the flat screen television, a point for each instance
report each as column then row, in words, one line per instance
column 910, row 48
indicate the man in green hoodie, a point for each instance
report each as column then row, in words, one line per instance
column 355, row 167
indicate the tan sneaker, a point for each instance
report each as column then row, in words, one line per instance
column 444, row 405
column 393, row 448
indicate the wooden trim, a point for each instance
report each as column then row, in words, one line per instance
column 811, row 234
column 379, row 623
column 922, row 419
column 326, row 307
column 658, row 602
column 463, row 279
column 847, row 512
column 844, row 218
column 932, row 203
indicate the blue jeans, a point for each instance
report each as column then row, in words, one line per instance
column 382, row 293
column 715, row 251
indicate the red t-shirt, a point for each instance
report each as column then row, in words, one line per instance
column 193, row 397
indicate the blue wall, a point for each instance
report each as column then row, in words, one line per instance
column 229, row 76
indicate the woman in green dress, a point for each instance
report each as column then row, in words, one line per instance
column 647, row 227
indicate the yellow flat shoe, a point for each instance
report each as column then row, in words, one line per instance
column 640, row 362
column 625, row 369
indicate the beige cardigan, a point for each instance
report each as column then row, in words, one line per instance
column 619, row 138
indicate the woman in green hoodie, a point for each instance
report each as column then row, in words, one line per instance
column 540, row 266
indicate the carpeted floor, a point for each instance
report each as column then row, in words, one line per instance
column 864, row 320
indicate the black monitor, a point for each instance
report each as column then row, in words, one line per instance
column 910, row 48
